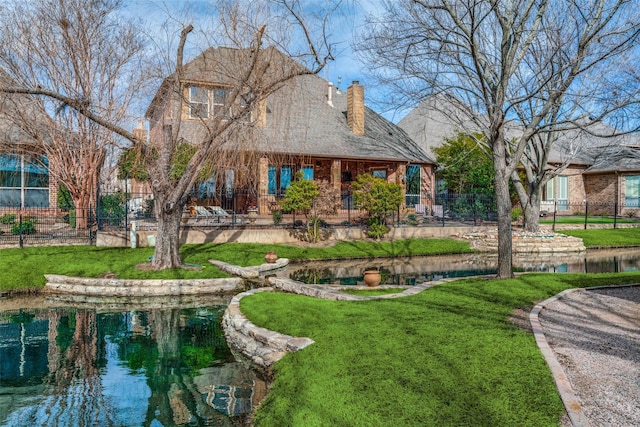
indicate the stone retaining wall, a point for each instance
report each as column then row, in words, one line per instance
column 261, row 346
column 131, row 287
column 528, row 243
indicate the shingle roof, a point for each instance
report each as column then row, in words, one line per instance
column 429, row 127
column 316, row 128
column 300, row 120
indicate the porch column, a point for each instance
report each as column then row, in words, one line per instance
column 263, row 185
column 336, row 174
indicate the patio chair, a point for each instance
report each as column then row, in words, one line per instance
column 202, row 212
column 219, row 214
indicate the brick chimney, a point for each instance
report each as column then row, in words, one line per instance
column 140, row 132
column 355, row 108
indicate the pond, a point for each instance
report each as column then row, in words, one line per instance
column 415, row 270
column 161, row 362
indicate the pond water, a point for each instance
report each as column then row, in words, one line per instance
column 160, row 363
column 415, row 270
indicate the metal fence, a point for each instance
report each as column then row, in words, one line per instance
column 45, row 226
column 116, row 210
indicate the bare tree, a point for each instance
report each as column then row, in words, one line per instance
column 498, row 62
column 258, row 64
column 79, row 55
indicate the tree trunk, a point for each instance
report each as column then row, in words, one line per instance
column 503, row 204
column 531, row 212
column 82, row 205
column 530, row 202
column 167, row 252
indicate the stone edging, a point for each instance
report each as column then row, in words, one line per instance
column 132, row 287
column 569, row 399
column 261, row 346
column 251, row 272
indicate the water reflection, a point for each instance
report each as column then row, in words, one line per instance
column 414, row 270
column 64, row 366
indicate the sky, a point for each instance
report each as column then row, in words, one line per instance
column 341, row 72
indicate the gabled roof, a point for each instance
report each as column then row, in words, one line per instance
column 314, row 127
column 299, row 119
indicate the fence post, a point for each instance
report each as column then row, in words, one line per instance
column 586, row 214
column 475, row 210
column 91, row 227
column 444, row 202
column 349, row 207
column 555, row 210
column 20, row 229
column 98, row 224
column 615, row 214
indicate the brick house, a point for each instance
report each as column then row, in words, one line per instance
column 603, row 172
column 307, row 125
column 24, row 175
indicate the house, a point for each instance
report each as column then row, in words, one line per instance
column 602, row 171
column 306, row 125
column 593, row 168
column 24, row 175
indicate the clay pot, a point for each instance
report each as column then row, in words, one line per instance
column 372, row 277
column 270, row 257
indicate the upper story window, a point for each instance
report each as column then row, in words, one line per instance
column 206, row 103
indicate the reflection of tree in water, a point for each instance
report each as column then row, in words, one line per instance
column 178, row 357
column 183, row 345
column 75, row 374
column 312, row 276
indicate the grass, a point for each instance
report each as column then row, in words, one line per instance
column 610, row 237
column 447, row 356
column 576, row 219
column 373, row 292
column 25, row 268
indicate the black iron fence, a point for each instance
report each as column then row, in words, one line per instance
column 41, row 226
column 117, row 210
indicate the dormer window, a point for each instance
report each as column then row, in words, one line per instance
column 206, row 103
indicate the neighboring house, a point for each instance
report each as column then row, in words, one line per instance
column 603, row 171
column 24, row 178
column 307, row 125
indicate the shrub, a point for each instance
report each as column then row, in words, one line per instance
column 8, row 219
column 516, row 213
column 376, row 229
column 277, row 216
column 379, row 198
column 113, row 208
column 28, row 227
column 65, row 202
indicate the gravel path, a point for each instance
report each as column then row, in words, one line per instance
column 595, row 336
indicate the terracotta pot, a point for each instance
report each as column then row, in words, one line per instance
column 372, row 277
column 270, row 257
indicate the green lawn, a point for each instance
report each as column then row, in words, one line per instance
column 445, row 357
column 577, row 219
column 610, row 237
column 25, row 268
